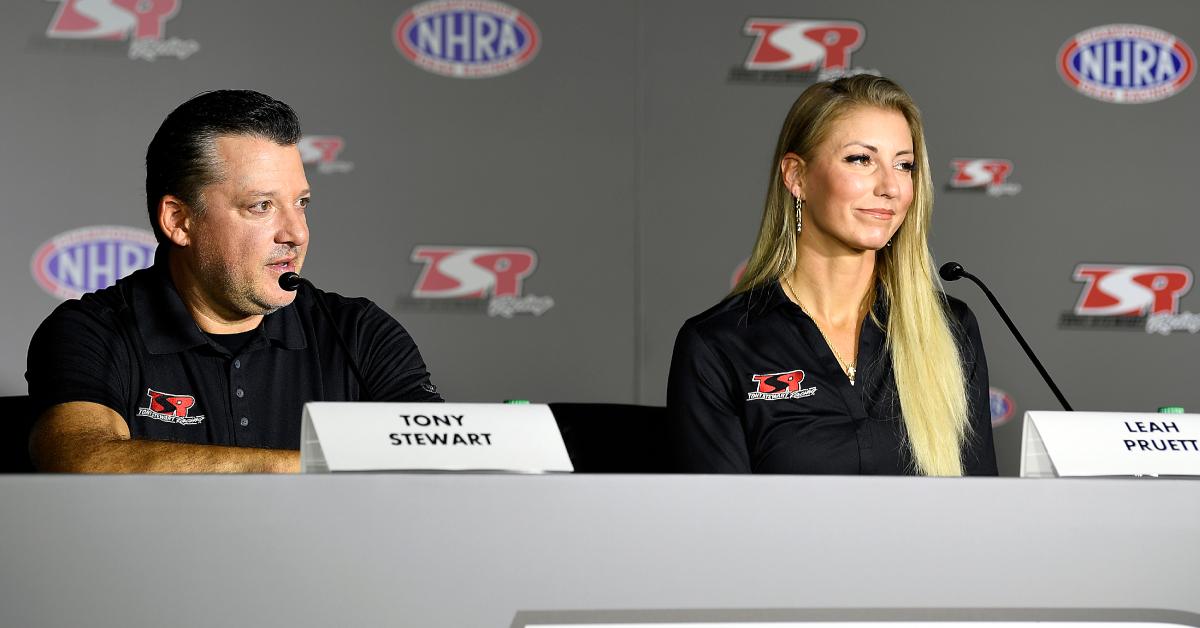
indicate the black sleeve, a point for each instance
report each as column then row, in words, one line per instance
column 390, row 360
column 705, row 430
column 76, row 355
column 979, row 452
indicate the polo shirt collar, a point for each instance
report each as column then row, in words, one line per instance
column 166, row 326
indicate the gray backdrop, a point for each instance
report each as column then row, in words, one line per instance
column 631, row 155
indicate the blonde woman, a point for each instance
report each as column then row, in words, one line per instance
column 837, row 352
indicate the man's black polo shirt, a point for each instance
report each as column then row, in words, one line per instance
column 135, row 348
column 754, row 387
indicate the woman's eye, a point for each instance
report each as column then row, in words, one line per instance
column 859, row 159
column 906, row 166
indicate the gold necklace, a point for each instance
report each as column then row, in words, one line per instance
column 847, row 367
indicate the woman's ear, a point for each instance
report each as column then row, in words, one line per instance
column 792, row 169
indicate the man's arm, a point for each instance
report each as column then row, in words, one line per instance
column 85, row 437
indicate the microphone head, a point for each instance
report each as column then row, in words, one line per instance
column 951, row 271
column 290, row 281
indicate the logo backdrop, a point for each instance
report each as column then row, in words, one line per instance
column 542, row 192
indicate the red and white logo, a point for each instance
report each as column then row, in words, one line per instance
column 989, row 175
column 775, row 386
column 1118, row 290
column 322, row 151
column 141, row 22
column 807, row 46
column 1121, row 295
column 170, row 408
column 498, row 273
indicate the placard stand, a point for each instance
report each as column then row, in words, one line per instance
column 1110, row 444
column 369, row 436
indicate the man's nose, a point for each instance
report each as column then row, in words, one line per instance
column 294, row 227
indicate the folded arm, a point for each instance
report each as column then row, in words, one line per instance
column 85, row 437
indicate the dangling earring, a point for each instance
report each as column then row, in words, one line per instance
column 799, row 206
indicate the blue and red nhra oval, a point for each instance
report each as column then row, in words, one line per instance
column 1126, row 63
column 467, row 38
column 1001, row 405
column 91, row 258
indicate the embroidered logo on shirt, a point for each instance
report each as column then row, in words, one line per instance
column 774, row 386
column 170, row 408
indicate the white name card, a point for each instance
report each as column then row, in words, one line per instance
column 1076, row 444
column 368, row 436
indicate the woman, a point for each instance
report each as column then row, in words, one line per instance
column 836, row 352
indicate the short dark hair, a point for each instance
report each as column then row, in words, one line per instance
column 181, row 159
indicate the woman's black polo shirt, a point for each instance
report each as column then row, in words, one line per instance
column 135, row 348
column 755, row 388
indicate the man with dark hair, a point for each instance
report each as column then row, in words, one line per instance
column 202, row 362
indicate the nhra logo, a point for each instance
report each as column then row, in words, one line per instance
column 466, row 38
column 170, row 408
column 773, row 386
column 988, row 175
column 89, row 259
column 786, row 49
column 478, row 273
column 323, row 151
column 1132, row 296
column 141, row 22
column 1001, row 405
column 1126, row 63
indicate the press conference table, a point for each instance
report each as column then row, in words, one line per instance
column 468, row 550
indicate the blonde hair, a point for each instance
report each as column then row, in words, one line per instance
column 925, row 358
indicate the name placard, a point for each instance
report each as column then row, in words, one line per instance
column 367, row 436
column 1066, row 444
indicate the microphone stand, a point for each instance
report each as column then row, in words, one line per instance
column 952, row 271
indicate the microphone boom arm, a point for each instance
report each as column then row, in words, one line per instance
column 952, row 271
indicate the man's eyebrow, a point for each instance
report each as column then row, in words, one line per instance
column 272, row 193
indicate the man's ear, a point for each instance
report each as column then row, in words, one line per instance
column 792, row 169
column 176, row 218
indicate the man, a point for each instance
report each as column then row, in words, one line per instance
column 203, row 362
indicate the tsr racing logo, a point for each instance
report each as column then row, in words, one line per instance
column 777, row 386
column 799, row 50
column 322, row 151
column 140, row 22
column 464, row 278
column 984, row 175
column 1132, row 297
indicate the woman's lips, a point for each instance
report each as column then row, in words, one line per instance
column 878, row 212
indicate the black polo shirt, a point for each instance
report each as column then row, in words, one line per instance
column 755, row 388
column 135, row 348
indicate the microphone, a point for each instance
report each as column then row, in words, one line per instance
column 953, row 271
column 291, row 281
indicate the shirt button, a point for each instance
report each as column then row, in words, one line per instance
column 240, row 393
column 245, row 421
column 237, row 364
